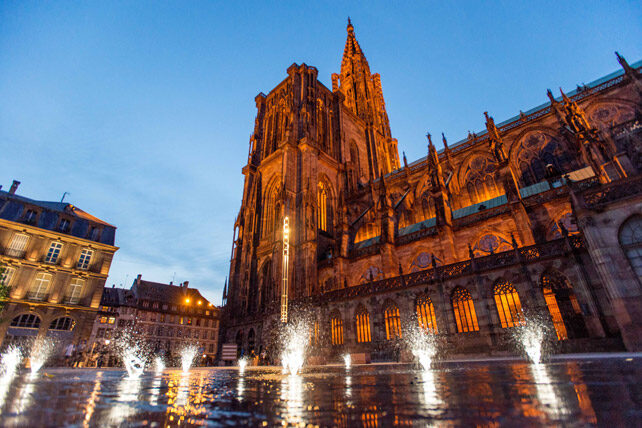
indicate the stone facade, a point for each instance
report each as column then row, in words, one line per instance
column 56, row 259
column 531, row 210
column 165, row 316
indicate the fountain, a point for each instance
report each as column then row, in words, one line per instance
column 188, row 353
column 423, row 346
column 133, row 362
column 40, row 352
column 242, row 364
column 9, row 363
column 295, row 338
column 531, row 337
column 159, row 365
column 348, row 361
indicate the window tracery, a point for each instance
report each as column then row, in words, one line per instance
column 393, row 321
column 464, row 310
column 536, row 151
column 336, row 328
column 508, row 305
column 362, row 321
column 490, row 244
column 426, row 314
column 480, row 180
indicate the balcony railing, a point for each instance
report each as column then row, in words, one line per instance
column 15, row 253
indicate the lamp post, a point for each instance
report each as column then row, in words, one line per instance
column 286, row 251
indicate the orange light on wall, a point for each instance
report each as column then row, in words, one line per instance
column 187, row 300
column 200, row 303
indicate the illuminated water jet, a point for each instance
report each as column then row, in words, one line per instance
column 40, row 353
column 188, row 353
column 133, row 362
column 347, row 361
column 9, row 363
column 531, row 337
column 159, row 365
column 423, row 346
column 295, row 339
column 242, row 364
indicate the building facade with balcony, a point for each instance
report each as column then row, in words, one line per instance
column 55, row 259
column 165, row 316
column 539, row 215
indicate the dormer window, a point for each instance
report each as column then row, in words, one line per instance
column 30, row 216
column 64, row 225
column 94, row 233
column 85, row 259
column 53, row 252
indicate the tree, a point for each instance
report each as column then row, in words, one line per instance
column 4, row 290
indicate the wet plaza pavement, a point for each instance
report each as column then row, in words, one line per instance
column 576, row 392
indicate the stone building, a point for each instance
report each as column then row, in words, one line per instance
column 539, row 214
column 165, row 316
column 56, row 258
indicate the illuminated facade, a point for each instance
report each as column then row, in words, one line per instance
column 165, row 316
column 56, row 258
column 538, row 214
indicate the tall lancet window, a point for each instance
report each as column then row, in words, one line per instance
column 322, row 204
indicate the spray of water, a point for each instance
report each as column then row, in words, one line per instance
column 11, row 359
column 188, row 353
column 133, row 351
column 423, row 346
column 531, row 337
column 347, row 360
column 133, row 362
column 295, row 338
column 242, row 364
column 9, row 363
column 159, row 365
column 40, row 353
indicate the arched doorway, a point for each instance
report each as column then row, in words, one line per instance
column 563, row 306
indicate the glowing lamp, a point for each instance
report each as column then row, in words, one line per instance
column 187, row 300
column 199, row 302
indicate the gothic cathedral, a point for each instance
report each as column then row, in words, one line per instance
column 537, row 216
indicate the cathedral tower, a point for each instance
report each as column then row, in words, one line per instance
column 364, row 98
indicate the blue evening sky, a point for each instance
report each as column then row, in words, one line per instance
column 143, row 110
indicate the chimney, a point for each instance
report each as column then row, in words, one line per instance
column 138, row 278
column 171, row 283
column 14, row 187
column 186, row 283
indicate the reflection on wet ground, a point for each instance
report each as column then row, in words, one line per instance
column 572, row 393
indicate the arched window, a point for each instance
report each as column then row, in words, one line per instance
column 464, row 310
column 426, row 314
column 509, row 307
column 62, row 323
column 271, row 209
column 336, row 329
column 26, row 321
column 393, row 321
column 480, row 180
column 563, row 306
column 362, row 320
column 322, row 207
column 367, row 231
column 314, row 333
column 536, row 151
column 631, row 242
column 354, row 169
